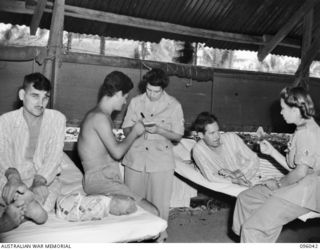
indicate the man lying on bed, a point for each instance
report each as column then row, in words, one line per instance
column 31, row 149
column 100, row 151
column 226, row 155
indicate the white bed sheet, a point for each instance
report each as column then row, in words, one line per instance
column 190, row 171
column 134, row 227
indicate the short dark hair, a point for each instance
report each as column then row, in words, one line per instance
column 114, row 82
column 299, row 97
column 38, row 80
column 202, row 120
column 155, row 77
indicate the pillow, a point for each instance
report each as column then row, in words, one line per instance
column 183, row 149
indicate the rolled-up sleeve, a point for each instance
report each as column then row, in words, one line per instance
column 178, row 120
column 306, row 147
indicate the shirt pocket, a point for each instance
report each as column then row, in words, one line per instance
column 164, row 122
column 163, row 147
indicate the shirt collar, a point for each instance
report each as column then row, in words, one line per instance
column 164, row 99
column 307, row 123
column 19, row 119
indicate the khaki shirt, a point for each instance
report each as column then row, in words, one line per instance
column 153, row 152
column 304, row 148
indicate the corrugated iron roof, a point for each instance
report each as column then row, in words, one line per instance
column 249, row 17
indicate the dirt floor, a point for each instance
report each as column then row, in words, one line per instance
column 208, row 220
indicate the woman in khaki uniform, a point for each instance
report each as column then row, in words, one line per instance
column 261, row 211
column 150, row 162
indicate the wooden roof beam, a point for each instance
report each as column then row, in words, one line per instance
column 283, row 32
column 26, row 53
column 308, row 58
column 307, row 32
column 149, row 24
column 306, row 43
column 37, row 15
column 107, row 17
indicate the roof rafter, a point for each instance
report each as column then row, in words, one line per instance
column 37, row 15
column 107, row 17
column 283, row 32
column 303, row 80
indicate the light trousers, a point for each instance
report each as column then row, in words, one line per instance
column 259, row 215
column 155, row 187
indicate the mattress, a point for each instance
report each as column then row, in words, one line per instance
column 134, row 227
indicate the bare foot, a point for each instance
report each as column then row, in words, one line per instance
column 26, row 196
column 121, row 205
column 36, row 213
column 12, row 217
column 34, row 210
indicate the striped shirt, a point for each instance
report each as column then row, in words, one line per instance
column 14, row 139
column 234, row 155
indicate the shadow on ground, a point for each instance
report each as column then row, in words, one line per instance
column 208, row 220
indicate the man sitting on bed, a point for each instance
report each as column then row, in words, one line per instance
column 100, row 151
column 31, row 149
column 227, row 156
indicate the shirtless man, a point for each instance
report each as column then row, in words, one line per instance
column 98, row 149
column 31, row 149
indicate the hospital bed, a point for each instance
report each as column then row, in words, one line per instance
column 187, row 169
column 138, row 226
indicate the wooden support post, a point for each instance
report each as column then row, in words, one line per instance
column 102, row 45
column 195, row 54
column 306, row 43
column 143, row 50
column 69, row 43
column 51, row 65
column 309, row 56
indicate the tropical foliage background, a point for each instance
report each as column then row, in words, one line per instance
column 164, row 51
